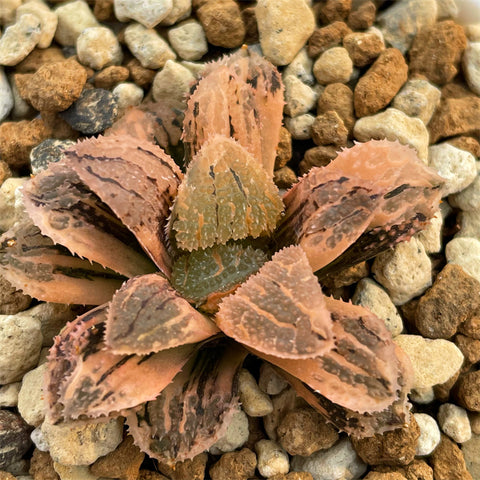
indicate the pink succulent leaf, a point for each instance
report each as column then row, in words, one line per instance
column 86, row 379
column 280, row 310
column 147, row 315
column 34, row 264
column 193, row 412
column 224, row 196
column 137, row 180
column 239, row 96
column 70, row 214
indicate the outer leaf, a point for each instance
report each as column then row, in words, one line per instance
column 239, row 96
column 193, row 412
column 85, row 378
column 147, row 315
column 281, row 310
column 33, row 263
column 70, row 214
column 224, row 196
column 137, row 180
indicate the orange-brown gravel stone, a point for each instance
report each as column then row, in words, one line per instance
column 447, row 461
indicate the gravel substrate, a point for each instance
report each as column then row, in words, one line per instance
column 353, row 70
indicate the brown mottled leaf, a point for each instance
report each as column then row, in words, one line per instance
column 70, row 214
column 34, row 264
column 86, row 379
column 193, row 412
column 239, row 96
column 224, row 196
column 137, row 180
column 280, row 310
column 147, row 315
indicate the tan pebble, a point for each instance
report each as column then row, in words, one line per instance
column 111, row 76
column 284, row 149
column 142, row 76
column 363, row 47
column 254, row 402
column 417, row 470
column 149, row 13
column 234, row 466
column 271, row 459
column 172, row 82
column 251, row 30
column 48, row 20
column 448, row 462
column 73, row 19
column 7, row 11
column 282, row 403
column 103, row 10
column 188, row 40
column 318, row 157
column 471, row 326
column 333, row 66
column 363, row 16
column 149, row 475
column 474, row 418
column 327, row 37
column 284, row 177
column 41, row 465
column 384, row 476
column 339, row 98
column 293, row 476
column 181, row 9
column 329, row 129
column 98, row 47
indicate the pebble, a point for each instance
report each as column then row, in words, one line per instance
column 239, row 465
column 468, row 200
column 14, row 438
column 469, row 223
column 21, row 109
column 372, row 296
column 21, row 341
column 143, row 77
column 254, row 402
column 327, row 37
column 111, row 76
column 46, row 152
column 19, row 39
column 41, row 466
column 271, row 459
column 48, row 20
column 7, row 11
column 393, row 124
column 148, row 46
column 6, row 96
column 73, row 18
column 382, row 81
column 328, row 128
column 270, row 381
column 453, row 421
column 74, row 472
column 429, row 434
column 474, row 418
column 447, row 462
column 404, row 271
column 304, row 431
column 363, row 47
column 189, row 469
column 471, row 454
column 80, row 442
column 9, row 211
column 282, row 403
column 300, row 126
column 181, row 9
column 127, row 95
column 235, row 436
column 338, row 462
column 418, row 98
column 38, row 439
column 451, row 300
column 333, row 10
column 431, row 236
column 465, row 252
column 9, row 394
column 434, row 361
column 468, row 391
column 339, row 98
column 93, row 112
column 300, row 67
column 147, row 12
column 333, row 66
column 188, row 40
column 362, row 15
column 471, row 66
column 422, row 396
column 31, row 404
column 472, row 31
column 12, row 300
column 222, row 22
column 98, row 47
column 300, row 98
column 284, row 27
column 401, row 22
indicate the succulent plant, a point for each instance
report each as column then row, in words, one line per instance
column 188, row 273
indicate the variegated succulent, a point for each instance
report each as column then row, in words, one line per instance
column 183, row 269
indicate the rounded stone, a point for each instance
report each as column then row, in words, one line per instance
column 468, row 200
column 465, row 252
column 468, row 390
column 9, row 394
column 300, row 67
column 429, row 434
column 363, row 47
column 14, row 438
column 454, row 422
column 7, row 11
column 73, row 18
column 98, row 47
column 188, row 40
column 300, row 127
column 127, row 95
column 254, row 402
column 270, row 381
column 173, row 83
column 471, row 453
column 147, row 12
column 235, row 436
column 93, row 112
column 271, row 459
column 299, row 97
column 333, row 66
column 339, row 98
column 6, row 96
column 48, row 20
column 329, row 129
column 327, row 37
column 31, row 404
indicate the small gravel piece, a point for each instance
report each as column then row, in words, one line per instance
column 31, row 405
column 254, row 402
column 468, row 200
column 46, row 152
column 73, row 18
column 339, row 98
column 300, row 127
column 363, row 47
column 271, row 459
column 447, row 462
column 465, row 252
column 9, row 394
column 429, row 434
column 98, row 47
column 362, row 15
column 7, row 11
column 453, row 421
column 127, row 95
column 181, row 9
column 14, row 438
column 431, row 236
column 468, row 391
column 111, row 76
column 147, row 12
column 471, row 66
column 471, row 454
column 282, row 403
column 300, row 98
column 270, row 381
column 235, row 436
column 188, row 40
column 300, row 67
column 234, row 466
column 333, row 66
column 48, row 20
column 6, row 96
column 327, row 37
column 329, row 129
column 9, row 209
column 148, row 46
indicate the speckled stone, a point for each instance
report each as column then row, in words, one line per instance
column 46, row 152
column 98, row 47
column 93, row 112
column 14, row 438
column 11, row 300
column 48, row 20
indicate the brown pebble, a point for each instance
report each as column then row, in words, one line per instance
column 326, row 37
column 453, row 298
column 447, row 461
column 318, row 157
column 193, row 469
column 328, row 129
column 455, row 116
column 41, row 466
column 363, row 47
column 222, row 22
column 58, row 127
column 396, row 447
column 470, row 349
column 39, row 57
column 333, row 10
column 255, row 432
column 436, row 51
column 5, row 171
column 292, row 476
column 103, row 10
column 142, row 76
column 18, row 138
column 442, row 391
column 6, row 476
column 471, row 326
column 284, row 148
column 339, row 98
column 468, row 144
column 12, row 300
column 284, row 177
column 384, row 476
column 417, row 470
column 467, row 391
column 363, row 17
column 111, row 76
column 149, row 475
column 235, row 466
column 251, row 28
column 347, row 276
column 382, row 81
column 304, row 431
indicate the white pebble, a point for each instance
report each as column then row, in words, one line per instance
column 465, row 251
column 469, row 198
column 173, row 82
column 9, row 210
column 38, row 438
column 181, row 10
column 188, row 40
column 471, row 453
column 127, row 94
column 147, row 46
column 235, row 436
column 394, row 124
column 48, row 20
column 98, row 47
column 433, row 361
column 300, row 127
column 405, row 271
column 301, row 67
column 147, row 12
column 429, row 434
column 422, row 396
column 19, row 39
column 254, row 402
column 454, row 422
column 333, row 66
column 372, row 296
column 6, row 96
column 431, row 236
column 73, row 19
column 196, row 69
column 31, row 404
column 270, row 381
column 469, row 223
column 271, row 459
column 456, row 166
column 9, row 394
column 299, row 97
